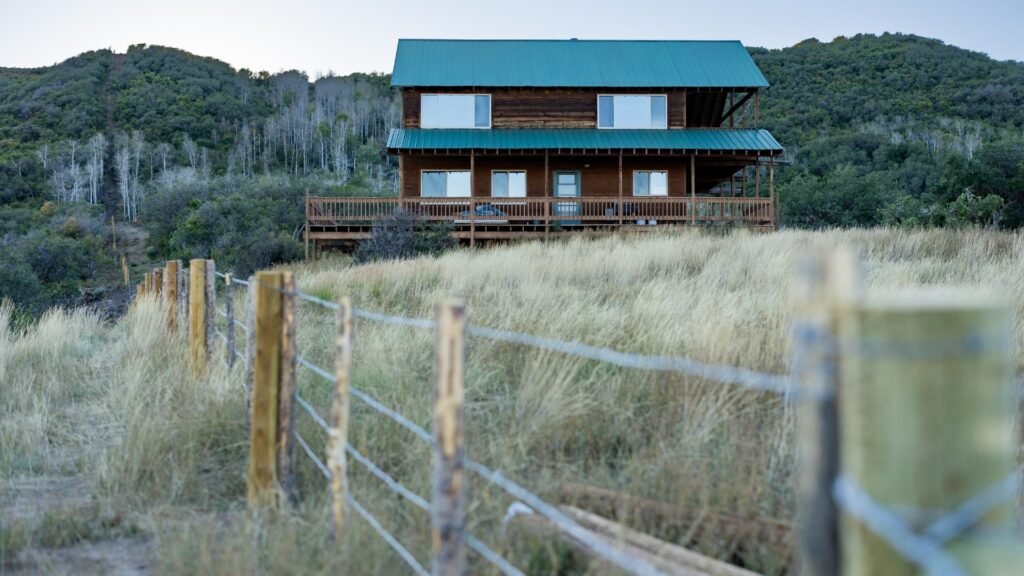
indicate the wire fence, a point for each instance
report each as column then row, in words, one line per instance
column 924, row 547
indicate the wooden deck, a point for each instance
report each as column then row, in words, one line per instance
column 341, row 219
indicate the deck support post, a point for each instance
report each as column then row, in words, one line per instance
column 472, row 198
column 305, row 229
column 744, row 184
column 620, row 189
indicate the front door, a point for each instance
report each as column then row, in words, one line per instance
column 567, row 185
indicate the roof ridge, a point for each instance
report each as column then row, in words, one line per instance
column 666, row 40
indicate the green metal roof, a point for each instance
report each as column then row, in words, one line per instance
column 554, row 139
column 576, row 63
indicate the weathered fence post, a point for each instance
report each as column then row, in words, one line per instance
column 262, row 483
column 172, row 281
column 197, row 331
column 147, row 282
column 449, row 495
column 926, row 425
column 337, row 436
column 824, row 286
column 210, row 276
column 286, row 394
column 158, row 281
column 183, row 299
column 250, row 339
column 229, row 312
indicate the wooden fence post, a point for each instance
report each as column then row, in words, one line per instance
column 262, row 482
column 250, row 340
column 825, row 284
column 147, row 282
column 125, row 270
column 158, row 281
column 183, row 299
column 229, row 311
column 449, row 495
column 286, row 394
column 172, row 280
column 337, row 436
column 926, row 422
column 210, row 276
column 197, row 331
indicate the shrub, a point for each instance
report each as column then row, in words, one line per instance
column 402, row 236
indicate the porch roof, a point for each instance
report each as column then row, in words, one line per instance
column 695, row 140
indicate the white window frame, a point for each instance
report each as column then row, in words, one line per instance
column 511, row 199
column 490, row 111
column 455, row 199
column 613, row 95
column 633, row 186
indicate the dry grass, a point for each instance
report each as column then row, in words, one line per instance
column 115, row 406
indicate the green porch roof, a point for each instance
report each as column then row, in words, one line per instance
column 720, row 140
column 576, row 63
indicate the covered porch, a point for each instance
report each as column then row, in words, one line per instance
column 730, row 181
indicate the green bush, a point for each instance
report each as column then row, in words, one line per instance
column 403, row 236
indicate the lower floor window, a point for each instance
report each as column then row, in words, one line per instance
column 508, row 184
column 650, row 183
column 445, row 184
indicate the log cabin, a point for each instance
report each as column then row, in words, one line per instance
column 534, row 138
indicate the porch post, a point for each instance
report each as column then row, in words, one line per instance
column 472, row 198
column 771, row 189
column 757, row 177
column 620, row 189
column 547, row 198
column 693, row 187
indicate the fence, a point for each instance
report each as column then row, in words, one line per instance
column 911, row 470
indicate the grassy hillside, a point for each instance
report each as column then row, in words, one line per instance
column 162, row 457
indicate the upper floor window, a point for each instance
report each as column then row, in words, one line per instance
column 455, row 111
column 632, row 111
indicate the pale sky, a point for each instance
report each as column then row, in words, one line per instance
column 344, row 36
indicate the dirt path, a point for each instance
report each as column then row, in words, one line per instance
column 45, row 506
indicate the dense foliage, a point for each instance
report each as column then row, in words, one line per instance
column 896, row 129
column 50, row 255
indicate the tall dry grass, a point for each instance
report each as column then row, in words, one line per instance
column 115, row 405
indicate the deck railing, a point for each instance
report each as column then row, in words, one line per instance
column 324, row 211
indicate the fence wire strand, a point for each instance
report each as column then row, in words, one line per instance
column 720, row 372
column 564, row 522
column 370, row 401
column 381, row 531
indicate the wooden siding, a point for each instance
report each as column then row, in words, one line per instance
column 600, row 176
column 573, row 108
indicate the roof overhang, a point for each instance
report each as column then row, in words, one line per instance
column 711, row 142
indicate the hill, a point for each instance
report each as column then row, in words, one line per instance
column 213, row 162
column 896, row 129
